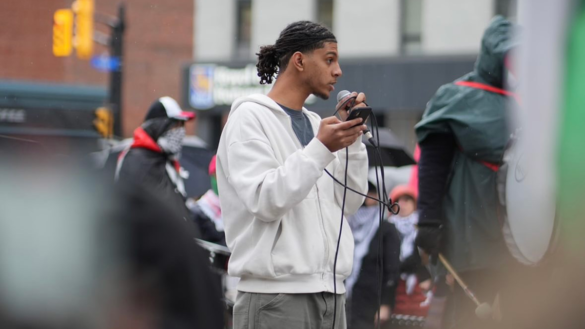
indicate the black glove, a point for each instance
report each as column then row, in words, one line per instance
column 430, row 238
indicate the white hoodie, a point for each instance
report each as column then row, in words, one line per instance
column 281, row 211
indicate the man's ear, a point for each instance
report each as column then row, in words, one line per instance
column 298, row 61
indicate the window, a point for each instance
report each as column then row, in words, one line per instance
column 325, row 13
column 243, row 28
column 411, row 26
column 506, row 8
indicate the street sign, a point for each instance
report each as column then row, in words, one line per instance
column 105, row 63
column 62, row 32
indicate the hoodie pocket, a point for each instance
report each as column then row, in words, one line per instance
column 300, row 248
column 346, row 250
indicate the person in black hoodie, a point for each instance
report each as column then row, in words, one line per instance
column 371, row 237
column 152, row 161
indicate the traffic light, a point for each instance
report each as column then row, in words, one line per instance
column 83, row 28
column 62, row 32
column 104, row 122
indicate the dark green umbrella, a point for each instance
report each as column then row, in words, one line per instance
column 392, row 151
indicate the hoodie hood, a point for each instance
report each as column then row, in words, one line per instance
column 498, row 39
column 143, row 140
column 259, row 99
column 157, row 127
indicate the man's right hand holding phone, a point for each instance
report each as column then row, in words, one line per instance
column 335, row 134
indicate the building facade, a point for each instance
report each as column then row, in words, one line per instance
column 396, row 51
column 158, row 41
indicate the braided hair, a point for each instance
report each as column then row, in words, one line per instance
column 300, row 36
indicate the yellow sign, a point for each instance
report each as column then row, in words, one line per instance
column 104, row 122
column 83, row 28
column 62, row 32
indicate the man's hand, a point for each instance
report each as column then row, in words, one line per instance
column 335, row 134
column 385, row 312
column 360, row 101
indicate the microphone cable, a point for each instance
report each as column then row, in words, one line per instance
column 339, row 239
column 383, row 201
column 393, row 208
column 383, row 195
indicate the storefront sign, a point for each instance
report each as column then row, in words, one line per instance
column 212, row 85
column 12, row 115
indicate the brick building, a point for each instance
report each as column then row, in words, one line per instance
column 158, row 41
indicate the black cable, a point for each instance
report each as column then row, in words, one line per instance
column 382, row 200
column 382, row 195
column 376, row 146
column 339, row 238
column 345, row 188
column 381, row 164
column 379, row 233
column 393, row 208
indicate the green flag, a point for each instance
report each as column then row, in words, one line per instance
column 572, row 139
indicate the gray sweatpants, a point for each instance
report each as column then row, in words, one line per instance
column 288, row 311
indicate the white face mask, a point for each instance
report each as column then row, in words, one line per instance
column 172, row 141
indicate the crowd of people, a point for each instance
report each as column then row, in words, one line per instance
column 274, row 205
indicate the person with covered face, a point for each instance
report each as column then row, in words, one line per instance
column 152, row 161
column 462, row 136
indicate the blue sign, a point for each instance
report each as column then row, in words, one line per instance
column 201, row 87
column 105, row 63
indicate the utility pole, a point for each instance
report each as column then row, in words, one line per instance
column 116, row 74
column 80, row 18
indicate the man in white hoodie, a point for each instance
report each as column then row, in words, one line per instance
column 282, row 212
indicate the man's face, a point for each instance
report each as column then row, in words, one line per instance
column 322, row 70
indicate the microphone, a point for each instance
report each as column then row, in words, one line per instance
column 345, row 101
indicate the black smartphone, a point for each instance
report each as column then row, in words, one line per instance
column 360, row 112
